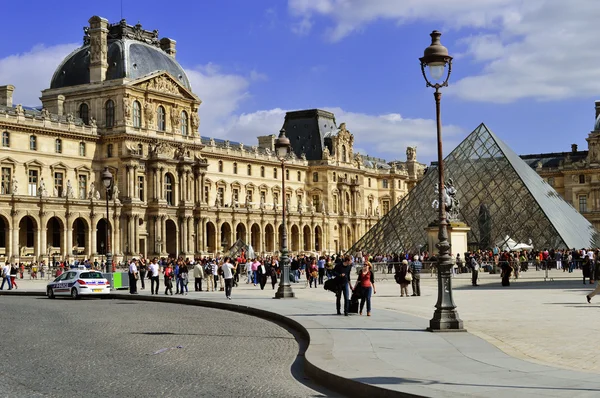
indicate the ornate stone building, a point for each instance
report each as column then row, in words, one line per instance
column 575, row 175
column 123, row 102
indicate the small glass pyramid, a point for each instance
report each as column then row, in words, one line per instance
column 500, row 196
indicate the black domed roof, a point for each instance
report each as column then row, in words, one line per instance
column 126, row 57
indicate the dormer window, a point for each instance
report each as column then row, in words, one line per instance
column 84, row 113
column 58, row 145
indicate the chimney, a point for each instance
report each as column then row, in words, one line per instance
column 54, row 104
column 6, row 93
column 597, row 108
column 267, row 142
column 168, row 46
column 98, row 48
column 573, row 148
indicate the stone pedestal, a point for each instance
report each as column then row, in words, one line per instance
column 457, row 236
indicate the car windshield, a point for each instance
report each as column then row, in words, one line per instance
column 91, row 275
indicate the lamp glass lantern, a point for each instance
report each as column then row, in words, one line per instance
column 282, row 145
column 436, row 59
column 107, row 178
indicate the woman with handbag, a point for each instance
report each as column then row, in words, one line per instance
column 183, row 278
column 168, row 273
column 313, row 273
column 366, row 285
column 403, row 278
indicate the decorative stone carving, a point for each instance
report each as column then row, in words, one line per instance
column 451, row 202
column 180, row 151
column 70, row 191
column 42, row 189
column 411, row 153
column 45, row 114
column 175, row 118
column 195, row 119
column 212, row 142
column 325, row 153
column 115, row 192
column 95, row 49
column 148, row 112
column 70, row 118
column 55, row 192
column 164, row 85
column 303, row 156
column 19, row 109
column 97, row 195
column 126, row 107
column 93, row 122
column 91, row 191
column 15, row 186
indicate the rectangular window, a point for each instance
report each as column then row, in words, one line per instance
column 33, row 182
column 141, row 187
column 386, row 207
column 5, row 188
column 5, row 139
column 276, row 198
column 82, row 149
column 82, row 185
column 221, row 192
column 287, row 174
column 58, row 183
column 385, row 183
column 33, row 143
column 262, row 171
column 299, row 176
column 250, row 195
column 315, row 200
column 583, row 203
column 275, row 173
column 236, row 195
column 335, row 204
column 369, row 183
column 315, row 177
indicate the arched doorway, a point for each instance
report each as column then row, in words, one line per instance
column 80, row 233
column 240, row 233
column 211, row 236
column 226, row 242
column 4, row 234
column 101, row 246
column 54, row 236
column 318, row 238
column 295, row 232
column 306, row 239
column 27, row 235
column 269, row 238
column 255, row 237
column 171, row 238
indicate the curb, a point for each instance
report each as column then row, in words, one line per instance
column 333, row 382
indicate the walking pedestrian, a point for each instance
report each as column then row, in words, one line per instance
column 168, row 275
column 142, row 271
column 153, row 273
column 227, row 268
column 415, row 269
column 342, row 271
column 321, row 266
column 261, row 271
column 198, row 275
column 273, row 272
column 402, row 279
column 133, row 277
column 312, row 273
column 183, row 279
column 6, row 277
column 474, row 270
column 366, row 283
column 13, row 276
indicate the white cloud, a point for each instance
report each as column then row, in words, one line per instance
column 31, row 72
column 540, row 49
column 385, row 135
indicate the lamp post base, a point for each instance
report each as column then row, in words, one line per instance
column 446, row 320
column 284, row 291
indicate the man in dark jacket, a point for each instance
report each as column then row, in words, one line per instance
column 342, row 271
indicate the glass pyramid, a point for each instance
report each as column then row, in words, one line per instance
column 500, row 195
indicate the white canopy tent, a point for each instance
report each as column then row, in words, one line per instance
column 510, row 244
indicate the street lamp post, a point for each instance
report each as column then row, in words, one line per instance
column 445, row 316
column 282, row 147
column 102, row 251
column 107, row 180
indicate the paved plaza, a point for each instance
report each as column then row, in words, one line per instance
column 534, row 338
column 110, row 348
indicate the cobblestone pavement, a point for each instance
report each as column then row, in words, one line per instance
column 109, row 348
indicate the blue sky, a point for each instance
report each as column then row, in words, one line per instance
column 528, row 69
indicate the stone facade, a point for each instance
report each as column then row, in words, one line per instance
column 175, row 192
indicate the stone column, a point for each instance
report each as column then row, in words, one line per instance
column 183, row 234
column 94, row 237
column 69, row 232
column 136, row 234
column 202, row 175
column 218, row 237
column 190, row 237
column 115, row 235
column 154, row 184
column 161, row 179
column 163, row 228
column 43, row 238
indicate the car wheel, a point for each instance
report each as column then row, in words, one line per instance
column 74, row 293
column 50, row 293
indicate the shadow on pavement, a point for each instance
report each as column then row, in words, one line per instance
column 520, row 284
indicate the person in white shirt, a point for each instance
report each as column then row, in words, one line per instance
column 133, row 272
column 154, row 274
column 227, row 268
column 215, row 272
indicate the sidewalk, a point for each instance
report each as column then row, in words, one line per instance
column 390, row 350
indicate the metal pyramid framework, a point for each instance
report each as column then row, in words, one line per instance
column 500, row 195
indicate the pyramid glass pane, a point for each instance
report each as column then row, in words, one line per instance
column 500, row 195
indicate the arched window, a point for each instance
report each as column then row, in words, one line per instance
column 262, row 171
column 109, row 113
column 33, row 142
column 109, row 151
column 82, row 149
column 369, row 182
column 249, row 170
column 84, row 113
column 184, row 123
column 140, row 149
column 58, row 145
column 235, row 168
column 315, row 177
column 299, row 176
column 275, row 172
column 160, row 118
column 334, row 177
column 137, row 114
column 287, row 174
column 220, row 166
column 5, row 139
column 169, row 189
column 343, row 153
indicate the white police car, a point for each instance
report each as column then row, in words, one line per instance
column 77, row 283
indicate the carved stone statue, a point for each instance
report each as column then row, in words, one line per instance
column 15, row 186
column 126, row 108
column 45, row 113
column 377, row 211
column 299, row 207
column 323, row 207
column 148, row 112
column 42, row 189
column 262, row 202
column 97, row 195
column 451, row 202
column 174, row 118
column 115, row 191
column 325, row 153
column 91, row 191
column 288, row 204
column 93, row 122
column 247, row 203
column 218, row 200
column 55, row 192
column 195, row 120
column 70, row 192
column 411, row 153
column 70, row 118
